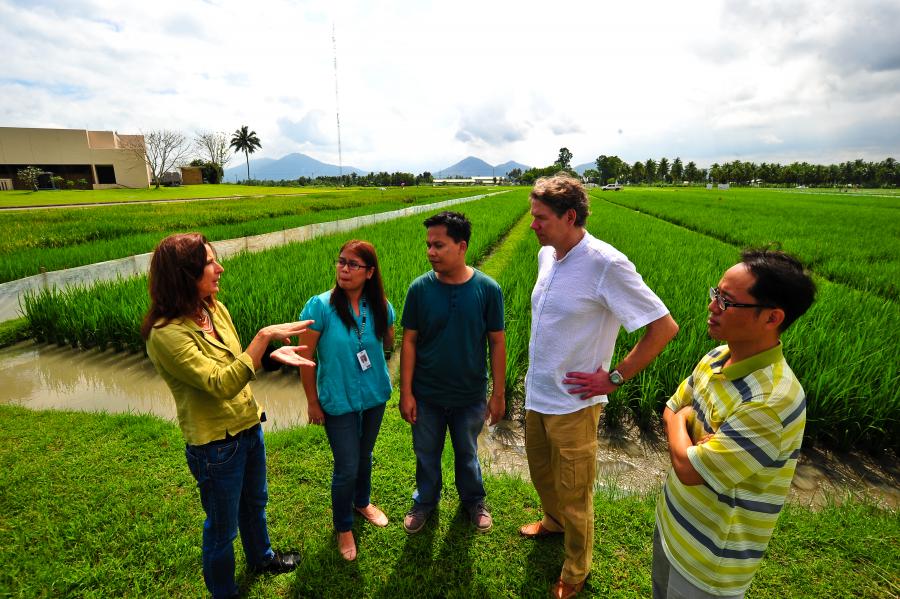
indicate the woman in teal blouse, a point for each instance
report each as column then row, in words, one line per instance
column 349, row 385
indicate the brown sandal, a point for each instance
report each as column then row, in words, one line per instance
column 537, row 530
column 564, row 590
column 347, row 549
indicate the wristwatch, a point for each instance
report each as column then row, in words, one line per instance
column 616, row 378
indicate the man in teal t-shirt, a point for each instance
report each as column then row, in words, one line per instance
column 450, row 317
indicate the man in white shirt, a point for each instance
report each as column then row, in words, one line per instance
column 585, row 291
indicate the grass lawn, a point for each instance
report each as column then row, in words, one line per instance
column 186, row 192
column 104, row 506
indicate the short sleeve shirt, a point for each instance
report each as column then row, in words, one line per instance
column 577, row 307
column 342, row 384
column 452, row 323
column 716, row 533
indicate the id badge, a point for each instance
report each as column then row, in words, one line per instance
column 364, row 361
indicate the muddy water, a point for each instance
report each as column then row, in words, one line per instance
column 50, row 377
column 45, row 376
column 631, row 460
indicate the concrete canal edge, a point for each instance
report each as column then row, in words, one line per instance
column 12, row 292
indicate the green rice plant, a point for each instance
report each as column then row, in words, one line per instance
column 853, row 240
column 264, row 287
column 14, row 199
column 13, row 331
column 298, row 271
column 41, row 240
column 514, row 267
column 842, row 350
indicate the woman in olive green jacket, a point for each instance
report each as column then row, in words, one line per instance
column 194, row 346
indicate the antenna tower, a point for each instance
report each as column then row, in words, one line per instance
column 337, row 108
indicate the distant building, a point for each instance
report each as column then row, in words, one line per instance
column 460, row 181
column 104, row 159
column 168, row 179
column 191, row 175
column 472, row 181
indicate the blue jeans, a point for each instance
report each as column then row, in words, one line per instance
column 231, row 476
column 429, row 432
column 352, row 438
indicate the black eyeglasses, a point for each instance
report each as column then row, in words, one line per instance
column 353, row 266
column 724, row 304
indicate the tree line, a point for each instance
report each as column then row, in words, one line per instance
column 612, row 169
column 164, row 150
column 380, row 179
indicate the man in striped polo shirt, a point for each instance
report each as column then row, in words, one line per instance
column 734, row 427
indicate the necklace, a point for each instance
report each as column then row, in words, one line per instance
column 204, row 321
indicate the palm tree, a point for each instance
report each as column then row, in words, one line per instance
column 245, row 141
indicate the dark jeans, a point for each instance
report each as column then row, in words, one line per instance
column 352, row 438
column 429, row 432
column 231, row 476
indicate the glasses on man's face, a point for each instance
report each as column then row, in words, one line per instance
column 724, row 304
column 353, row 266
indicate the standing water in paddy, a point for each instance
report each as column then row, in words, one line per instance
column 43, row 377
column 49, row 377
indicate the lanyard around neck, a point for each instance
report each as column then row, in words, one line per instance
column 360, row 331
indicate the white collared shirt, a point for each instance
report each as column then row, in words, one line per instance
column 577, row 306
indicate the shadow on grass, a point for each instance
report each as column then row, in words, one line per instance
column 454, row 576
column 323, row 572
column 543, row 565
column 413, row 571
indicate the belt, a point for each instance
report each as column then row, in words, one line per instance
column 229, row 437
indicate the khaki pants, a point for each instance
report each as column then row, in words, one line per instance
column 562, row 459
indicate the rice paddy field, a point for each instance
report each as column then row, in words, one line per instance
column 681, row 240
column 21, row 198
column 265, row 287
column 843, row 350
column 849, row 239
column 37, row 240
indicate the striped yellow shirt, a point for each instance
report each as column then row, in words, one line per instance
column 716, row 533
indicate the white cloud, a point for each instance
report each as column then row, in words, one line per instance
column 310, row 131
column 490, row 125
column 423, row 84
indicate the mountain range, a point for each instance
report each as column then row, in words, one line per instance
column 583, row 167
column 292, row 166
column 476, row 167
column 298, row 165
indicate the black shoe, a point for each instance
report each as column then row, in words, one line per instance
column 279, row 564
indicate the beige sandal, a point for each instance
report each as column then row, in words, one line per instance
column 373, row 515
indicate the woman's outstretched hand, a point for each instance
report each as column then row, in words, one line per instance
column 290, row 355
column 283, row 332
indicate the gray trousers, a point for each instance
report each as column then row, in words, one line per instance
column 668, row 583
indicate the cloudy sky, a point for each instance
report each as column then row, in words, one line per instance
column 423, row 84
